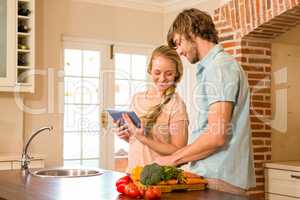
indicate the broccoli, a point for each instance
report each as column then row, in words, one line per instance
column 154, row 173
column 151, row 174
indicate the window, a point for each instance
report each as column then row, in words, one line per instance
column 93, row 81
column 130, row 78
column 81, row 107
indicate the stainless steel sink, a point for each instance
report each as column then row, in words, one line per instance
column 65, row 173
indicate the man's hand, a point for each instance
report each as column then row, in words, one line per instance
column 166, row 160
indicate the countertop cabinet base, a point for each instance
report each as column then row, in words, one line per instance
column 282, row 180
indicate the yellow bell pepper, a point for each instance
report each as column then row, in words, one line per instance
column 136, row 173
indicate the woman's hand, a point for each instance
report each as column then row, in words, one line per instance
column 122, row 131
column 138, row 133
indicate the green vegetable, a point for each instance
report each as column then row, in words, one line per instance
column 154, row 173
column 170, row 173
column 151, row 174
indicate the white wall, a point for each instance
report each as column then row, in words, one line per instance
column 11, row 125
column 285, row 99
column 286, row 96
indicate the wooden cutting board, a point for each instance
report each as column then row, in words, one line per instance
column 170, row 188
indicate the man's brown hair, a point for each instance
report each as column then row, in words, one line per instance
column 193, row 22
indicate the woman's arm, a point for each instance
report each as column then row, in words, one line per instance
column 179, row 137
column 178, row 133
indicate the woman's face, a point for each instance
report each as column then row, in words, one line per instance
column 163, row 73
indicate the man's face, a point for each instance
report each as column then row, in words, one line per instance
column 186, row 48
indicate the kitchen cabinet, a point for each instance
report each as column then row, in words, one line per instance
column 282, row 180
column 17, row 43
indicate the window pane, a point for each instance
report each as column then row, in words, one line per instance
column 122, row 92
column 90, row 90
column 125, row 108
column 72, row 145
column 91, row 163
column 138, row 86
column 73, row 62
column 90, row 144
column 72, row 117
column 72, row 163
column 72, row 90
column 90, row 118
column 122, row 63
column 91, row 63
column 81, row 122
column 139, row 67
column 121, row 147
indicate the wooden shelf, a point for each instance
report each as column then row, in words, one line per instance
column 23, row 51
column 23, row 84
column 24, row 67
column 23, row 34
column 23, row 17
column 26, row 55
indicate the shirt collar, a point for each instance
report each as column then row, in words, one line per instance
column 209, row 56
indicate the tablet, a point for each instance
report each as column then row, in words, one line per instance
column 117, row 114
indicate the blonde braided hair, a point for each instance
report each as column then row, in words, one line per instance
column 152, row 114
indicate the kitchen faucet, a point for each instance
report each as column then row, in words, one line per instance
column 25, row 160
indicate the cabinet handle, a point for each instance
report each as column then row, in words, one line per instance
column 295, row 176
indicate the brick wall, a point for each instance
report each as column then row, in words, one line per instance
column 246, row 29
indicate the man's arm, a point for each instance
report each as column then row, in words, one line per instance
column 215, row 137
column 178, row 139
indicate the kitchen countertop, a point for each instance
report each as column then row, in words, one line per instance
column 18, row 185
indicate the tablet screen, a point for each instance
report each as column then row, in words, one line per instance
column 117, row 115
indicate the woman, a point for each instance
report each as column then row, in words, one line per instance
column 164, row 127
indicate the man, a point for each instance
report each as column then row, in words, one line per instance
column 220, row 148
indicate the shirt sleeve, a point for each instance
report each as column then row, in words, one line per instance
column 221, row 83
column 178, row 110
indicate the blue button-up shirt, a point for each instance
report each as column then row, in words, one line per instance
column 220, row 78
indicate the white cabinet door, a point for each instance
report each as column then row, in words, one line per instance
column 283, row 182
column 279, row 197
column 7, row 42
